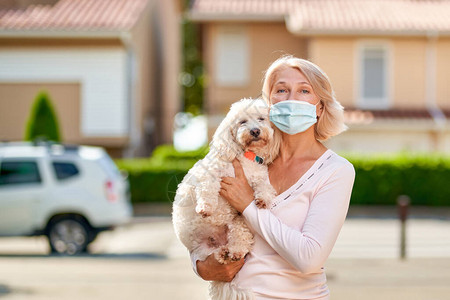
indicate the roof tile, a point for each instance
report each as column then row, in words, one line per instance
column 388, row 16
column 74, row 15
column 359, row 116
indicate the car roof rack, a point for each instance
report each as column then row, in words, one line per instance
column 53, row 148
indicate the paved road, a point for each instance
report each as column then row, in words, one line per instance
column 145, row 261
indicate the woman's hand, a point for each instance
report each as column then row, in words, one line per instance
column 211, row 269
column 236, row 190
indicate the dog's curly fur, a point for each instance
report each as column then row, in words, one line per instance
column 204, row 222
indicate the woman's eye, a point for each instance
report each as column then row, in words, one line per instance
column 261, row 119
column 304, row 91
column 243, row 122
column 281, row 91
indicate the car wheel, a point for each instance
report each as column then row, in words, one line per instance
column 68, row 236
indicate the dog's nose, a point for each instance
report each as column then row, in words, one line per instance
column 255, row 132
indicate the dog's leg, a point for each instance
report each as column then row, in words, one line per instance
column 207, row 197
column 207, row 192
column 207, row 238
column 264, row 192
column 240, row 241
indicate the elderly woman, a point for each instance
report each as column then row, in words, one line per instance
column 295, row 235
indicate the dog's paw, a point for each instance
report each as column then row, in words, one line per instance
column 204, row 214
column 260, row 203
column 237, row 256
column 223, row 255
column 204, row 210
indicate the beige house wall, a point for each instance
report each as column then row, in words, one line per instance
column 144, row 85
column 339, row 58
column 267, row 41
column 443, row 72
column 409, row 59
column 65, row 96
column 417, row 137
column 153, row 44
column 336, row 57
column 15, row 106
column 169, row 21
column 409, row 72
column 17, row 99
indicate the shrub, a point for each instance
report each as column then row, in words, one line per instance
column 42, row 123
column 379, row 179
column 152, row 183
column 169, row 153
column 156, row 179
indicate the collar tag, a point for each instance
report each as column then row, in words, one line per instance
column 253, row 157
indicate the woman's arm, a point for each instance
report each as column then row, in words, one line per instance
column 307, row 249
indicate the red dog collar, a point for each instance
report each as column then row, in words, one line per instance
column 253, row 157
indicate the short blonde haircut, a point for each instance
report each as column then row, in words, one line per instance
column 331, row 121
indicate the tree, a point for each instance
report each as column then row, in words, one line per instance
column 43, row 122
column 192, row 78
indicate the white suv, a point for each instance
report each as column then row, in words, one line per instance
column 68, row 193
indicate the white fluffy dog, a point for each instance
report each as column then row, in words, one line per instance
column 204, row 222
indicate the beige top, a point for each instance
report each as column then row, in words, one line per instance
column 295, row 236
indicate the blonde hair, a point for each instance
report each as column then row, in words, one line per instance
column 331, row 121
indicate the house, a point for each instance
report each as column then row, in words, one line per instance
column 109, row 66
column 388, row 61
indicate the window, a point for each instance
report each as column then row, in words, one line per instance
column 65, row 170
column 19, row 172
column 232, row 57
column 374, row 76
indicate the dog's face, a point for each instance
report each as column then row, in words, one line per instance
column 252, row 129
column 247, row 128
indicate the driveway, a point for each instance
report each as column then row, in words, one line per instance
column 144, row 260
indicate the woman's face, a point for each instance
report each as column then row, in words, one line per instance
column 291, row 84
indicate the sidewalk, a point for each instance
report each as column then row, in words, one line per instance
column 371, row 232
column 144, row 260
column 389, row 279
column 391, row 212
column 365, row 263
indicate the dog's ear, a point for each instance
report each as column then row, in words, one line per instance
column 224, row 142
column 273, row 146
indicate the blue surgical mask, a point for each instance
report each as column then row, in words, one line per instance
column 293, row 116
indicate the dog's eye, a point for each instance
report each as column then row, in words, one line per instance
column 243, row 122
column 261, row 119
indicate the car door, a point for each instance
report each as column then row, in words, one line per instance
column 21, row 190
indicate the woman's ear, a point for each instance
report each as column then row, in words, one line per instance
column 319, row 111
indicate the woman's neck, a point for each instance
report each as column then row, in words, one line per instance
column 301, row 146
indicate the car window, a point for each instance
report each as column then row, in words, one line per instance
column 108, row 165
column 64, row 170
column 19, row 172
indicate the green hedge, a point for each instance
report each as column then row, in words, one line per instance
column 168, row 153
column 155, row 179
column 379, row 179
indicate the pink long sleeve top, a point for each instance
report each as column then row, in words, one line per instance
column 295, row 236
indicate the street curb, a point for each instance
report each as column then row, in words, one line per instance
column 355, row 211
